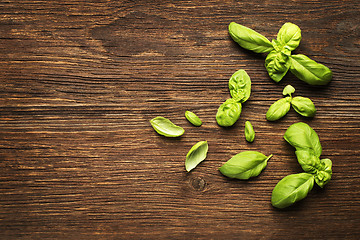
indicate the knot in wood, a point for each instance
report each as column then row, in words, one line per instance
column 198, row 183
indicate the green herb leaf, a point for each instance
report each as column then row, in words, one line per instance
column 193, row 118
column 304, row 106
column 288, row 90
column 289, row 36
column 303, row 137
column 277, row 64
column 249, row 39
column 291, row 189
column 196, row 155
column 245, row 165
column 165, row 127
column 240, row 86
column 308, row 161
column 228, row 113
column 310, row 71
column 278, row 109
column 324, row 174
column 249, row 132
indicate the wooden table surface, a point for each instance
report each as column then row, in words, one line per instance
column 80, row 81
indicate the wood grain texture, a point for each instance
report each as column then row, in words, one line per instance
column 80, row 81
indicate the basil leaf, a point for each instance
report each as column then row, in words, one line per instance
column 196, row 155
column 249, row 132
column 303, row 106
column 303, row 137
column 323, row 176
column 288, row 90
column 249, row 39
column 245, row 165
column 277, row 64
column 165, row 127
column 310, row 71
column 228, row 113
column 291, row 189
column 240, row 86
column 278, row 109
column 193, row 118
column 308, row 161
column 289, row 36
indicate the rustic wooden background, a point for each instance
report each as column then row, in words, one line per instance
column 80, row 81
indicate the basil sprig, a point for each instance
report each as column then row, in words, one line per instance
column 295, row 187
column 240, row 89
column 279, row 59
column 245, row 165
column 302, row 105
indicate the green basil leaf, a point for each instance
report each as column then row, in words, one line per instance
column 288, row 90
column 193, row 118
column 289, row 36
column 278, row 109
column 277, row 64
column 323, row 176
column 240, row 86
column 245, row 165
column 303, row 106
column 310, row 71
column 196, row 155
column 291, row 189
column 165, row 127
column 303, row 137
column 228, row 113
column 249, row 39
column 249, row 132
column 308, row 161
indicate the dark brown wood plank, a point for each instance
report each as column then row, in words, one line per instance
column 80, row 81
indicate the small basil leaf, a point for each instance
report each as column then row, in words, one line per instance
column 240, row 86
column 288, row 90
column 249, row 132
column 323, row 176
column 193, row 118
column 303, row 137
column 303, row 106
column 308, row 161
column 249, row 39
column 196, row 155
column 165, row 127
column 245, row 165
column 289, row 36
column 291, row 189
column 228, row 113
column 278, row 109
column 310, row 71
column 277, row 64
